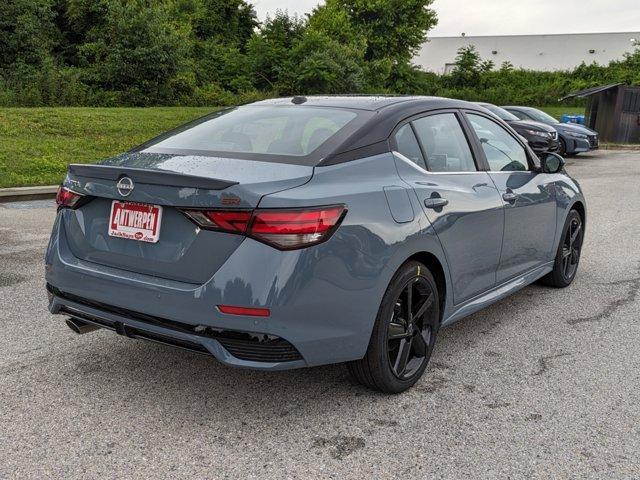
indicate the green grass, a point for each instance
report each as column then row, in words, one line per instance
column 558, row 111
column 37, row 144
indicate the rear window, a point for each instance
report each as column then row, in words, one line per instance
column 253, row 130
column 500, row 112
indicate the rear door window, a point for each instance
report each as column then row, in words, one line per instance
column 444, row 143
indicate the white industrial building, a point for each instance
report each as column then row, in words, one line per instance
column 531, row 52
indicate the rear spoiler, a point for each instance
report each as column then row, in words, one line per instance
column 148, row 176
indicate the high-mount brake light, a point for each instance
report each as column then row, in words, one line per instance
column 284, row 229
column 66, row 198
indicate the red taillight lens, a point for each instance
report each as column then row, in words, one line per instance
column 284, row 229
column 287, row 229
column 66, row 198
column 225, row 220
column 251, row 312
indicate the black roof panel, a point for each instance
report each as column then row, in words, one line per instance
column 362, row 102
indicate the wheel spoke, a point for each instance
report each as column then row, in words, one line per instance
column 420, row 346
column 575, row 255
column 409, row 303
column 396, row 331
column 403, row 356
column 575, row 233
column 423, row 308
column 566, row 252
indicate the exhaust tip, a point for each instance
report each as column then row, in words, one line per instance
column 80, row 327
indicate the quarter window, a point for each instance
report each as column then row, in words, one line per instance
column 504, row 153
column 444, row 143
column 408, row 146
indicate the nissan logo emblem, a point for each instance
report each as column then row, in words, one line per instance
column 125, row 186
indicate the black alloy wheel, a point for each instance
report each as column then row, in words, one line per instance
column 571, row 247
column 567, row 258
column 404, row 333
column 410, row 328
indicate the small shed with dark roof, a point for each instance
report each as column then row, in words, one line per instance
column 613, row 111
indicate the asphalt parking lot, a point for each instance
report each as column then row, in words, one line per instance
column 545, row 384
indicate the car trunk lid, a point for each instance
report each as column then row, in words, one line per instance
column 183, row 251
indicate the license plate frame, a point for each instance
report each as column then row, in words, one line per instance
column 140, row 222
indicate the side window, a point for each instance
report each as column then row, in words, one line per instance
column 444, row 143
column 503, row 152
column 408, row 146
column 519, row 114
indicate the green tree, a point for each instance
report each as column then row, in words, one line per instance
column 269, row 49
column 230, row 22
column 468, row 67
column 27, row 33
column 320, row 64
column 389, row 32
column 138, row 52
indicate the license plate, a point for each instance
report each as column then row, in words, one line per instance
column 135, row 221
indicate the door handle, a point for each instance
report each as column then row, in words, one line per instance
column 509, row 197
column 435, row 202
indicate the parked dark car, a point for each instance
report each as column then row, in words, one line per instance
column 541, row 137
column 297, row 232
column 573, row 138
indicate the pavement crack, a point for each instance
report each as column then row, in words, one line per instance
column 613, row 306
column 495, row 405
column 545, row 362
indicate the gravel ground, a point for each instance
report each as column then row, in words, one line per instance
column 545, row 384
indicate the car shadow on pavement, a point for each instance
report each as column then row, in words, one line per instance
column 149, row 374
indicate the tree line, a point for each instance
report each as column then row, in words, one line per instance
column 216, row 52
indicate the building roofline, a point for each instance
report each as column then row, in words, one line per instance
column 534, row 35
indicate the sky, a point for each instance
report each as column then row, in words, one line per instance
column 509, row 17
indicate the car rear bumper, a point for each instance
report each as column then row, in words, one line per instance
column 239, row 349
column 322, row 305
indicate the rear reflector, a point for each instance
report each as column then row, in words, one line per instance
column 284, row 229
column 66, row 198
column 251, row 312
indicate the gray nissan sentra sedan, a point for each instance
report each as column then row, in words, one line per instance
column 312, row 230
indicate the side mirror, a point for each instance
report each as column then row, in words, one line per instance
column 552, row 163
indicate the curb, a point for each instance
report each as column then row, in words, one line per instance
column 620, row 147
column 20, row 194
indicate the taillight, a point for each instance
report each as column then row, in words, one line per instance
column 67, row 199
column 285, row 229
column 288, row 229
column 224, row 220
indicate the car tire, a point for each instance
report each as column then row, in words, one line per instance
column 567, row 257
column 399, row 336
column 562, row 148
